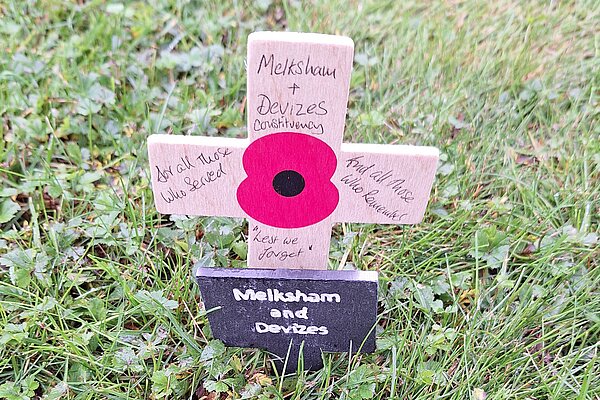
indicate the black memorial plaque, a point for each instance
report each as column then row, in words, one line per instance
column 329, row 311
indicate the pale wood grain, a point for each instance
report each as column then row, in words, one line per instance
column 306, row 248
column 384, row 184
column 181, row 165
column 311, row 73
column 329, row 92
column 309, row 52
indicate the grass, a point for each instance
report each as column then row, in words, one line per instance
column 494, row 295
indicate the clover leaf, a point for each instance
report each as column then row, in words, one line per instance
column 8, row 209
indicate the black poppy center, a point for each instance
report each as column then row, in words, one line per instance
column 288, row 183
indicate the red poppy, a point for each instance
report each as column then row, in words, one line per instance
column 289, row 180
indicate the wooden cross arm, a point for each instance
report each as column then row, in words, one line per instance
column 194, row 175
column 384, row 184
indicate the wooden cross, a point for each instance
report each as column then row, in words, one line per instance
column 293, row 178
